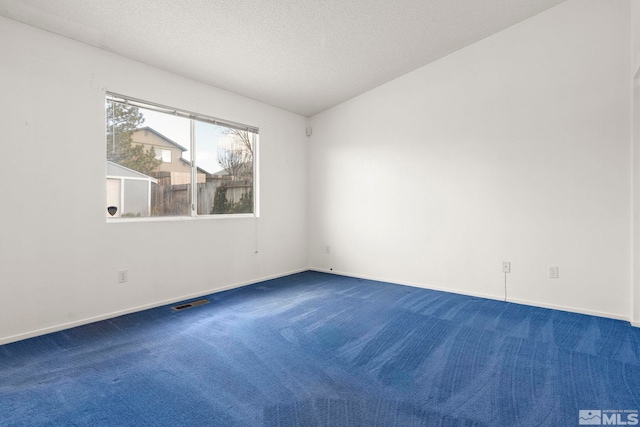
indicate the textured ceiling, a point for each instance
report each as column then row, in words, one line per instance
column 300, row 55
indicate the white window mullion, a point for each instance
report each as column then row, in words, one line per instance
column 194, row 171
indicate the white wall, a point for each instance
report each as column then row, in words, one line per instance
column 517, row 148
column 58, row 257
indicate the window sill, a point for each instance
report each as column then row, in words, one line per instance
column 179, row 218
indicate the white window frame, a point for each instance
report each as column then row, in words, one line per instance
column 193, row 117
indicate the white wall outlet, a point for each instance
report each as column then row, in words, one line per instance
column 506, row 267
column 553, row 272
column 327, row 249
column 122, row 276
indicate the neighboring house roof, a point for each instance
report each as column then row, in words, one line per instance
column 198, row 167
column 116, row 170
column 162, row 136
column 222, row 172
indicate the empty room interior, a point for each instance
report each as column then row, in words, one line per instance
column 435, row 218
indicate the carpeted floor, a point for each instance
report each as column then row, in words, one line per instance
column 314, row 349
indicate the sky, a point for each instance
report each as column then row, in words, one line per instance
column 208, row 137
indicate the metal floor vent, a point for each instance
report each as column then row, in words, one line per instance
column 190, row 304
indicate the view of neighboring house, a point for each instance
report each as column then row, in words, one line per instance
column 170, row 152
column 166, row 190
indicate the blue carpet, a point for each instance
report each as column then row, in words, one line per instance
column 314, row 349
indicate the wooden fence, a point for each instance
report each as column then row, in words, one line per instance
column 174, row 200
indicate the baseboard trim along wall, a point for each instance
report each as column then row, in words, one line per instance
column 63, row 326
column 480, row 295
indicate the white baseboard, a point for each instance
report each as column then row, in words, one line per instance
column 412, row 284
column 480, row 295
column 86, row 321
column 63, row 326
column 572, row 309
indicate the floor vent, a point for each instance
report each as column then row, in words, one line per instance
column 190, row 304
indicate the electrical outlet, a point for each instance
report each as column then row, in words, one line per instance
column 553, row 272
column 122, row 276
column 327, row 249
column 506, row 267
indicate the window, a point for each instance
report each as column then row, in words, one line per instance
column 163, row 155
column 165, row 162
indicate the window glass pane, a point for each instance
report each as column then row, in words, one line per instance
column 163, row 155
column 171, row 163
column 225, row 169
column 149, row 153
column 166, row 156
